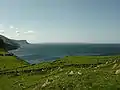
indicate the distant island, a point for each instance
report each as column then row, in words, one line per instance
column 10, row 44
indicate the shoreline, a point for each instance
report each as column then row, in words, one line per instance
column 52, row 59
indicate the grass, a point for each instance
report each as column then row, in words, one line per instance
column 10, row 62
column 68, row 73
column 2, row 51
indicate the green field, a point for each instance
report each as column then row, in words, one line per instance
column 68, row 73
column 10, row 62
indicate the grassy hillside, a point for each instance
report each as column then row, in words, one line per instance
column 2, row 51
column 68, row 73
column 10, row 62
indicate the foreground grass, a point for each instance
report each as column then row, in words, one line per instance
column 68, row 73
column 2, row 51
column 10, row 62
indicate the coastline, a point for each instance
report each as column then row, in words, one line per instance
column 43, row 52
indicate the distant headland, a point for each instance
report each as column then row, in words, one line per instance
column 10, row 44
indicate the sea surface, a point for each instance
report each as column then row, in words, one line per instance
column 36, row 53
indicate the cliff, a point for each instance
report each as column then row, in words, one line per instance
column 10, row 44
column 20, row 42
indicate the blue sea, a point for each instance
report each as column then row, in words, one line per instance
column 36, row 53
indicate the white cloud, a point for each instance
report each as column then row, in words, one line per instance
column 29, row 32
column 17, row 31
column 2, row 31
column 11, row 27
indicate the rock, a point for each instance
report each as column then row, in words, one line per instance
column 71, row 73
column 79, row 73
column 20, row 84
column 61, row 69
column 56, row 76
column 118, row 66
column 95, row 67
column 115, row 65
column 117, row 71
column 106, row 62
column 98, row 66
column 115, row 61
column 46, row 83
column 66, row 73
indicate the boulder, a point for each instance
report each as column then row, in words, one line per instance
column 117, row 71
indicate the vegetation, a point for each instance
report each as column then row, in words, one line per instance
column 68, row 73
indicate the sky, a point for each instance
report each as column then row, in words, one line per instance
column 41, row 21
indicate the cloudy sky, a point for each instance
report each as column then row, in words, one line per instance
column 95, row 21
